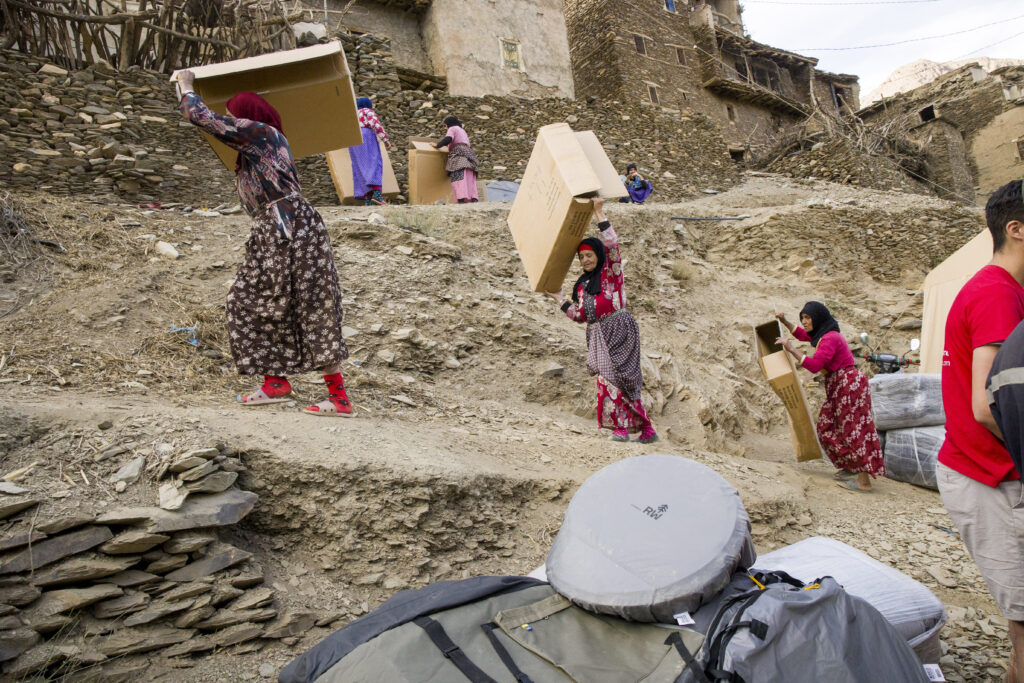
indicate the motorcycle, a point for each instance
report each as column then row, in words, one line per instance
column 889, row 362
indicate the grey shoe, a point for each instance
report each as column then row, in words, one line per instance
column 619, row 437
column 651, row 439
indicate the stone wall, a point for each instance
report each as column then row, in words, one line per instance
column 946, row 159
column 101, row 134
column 676, row 61
column 372, row 17
column 463, row 40
column 971, row 105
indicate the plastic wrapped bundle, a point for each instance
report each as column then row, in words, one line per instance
column 902, row 401
column 908, row 605
column 910, row 454
column 648, row 537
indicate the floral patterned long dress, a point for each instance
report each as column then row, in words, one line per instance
column 613, row 343
column 284, row 309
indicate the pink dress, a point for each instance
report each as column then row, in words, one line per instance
column 461, row 165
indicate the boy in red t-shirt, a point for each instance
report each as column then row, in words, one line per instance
column 980, row 487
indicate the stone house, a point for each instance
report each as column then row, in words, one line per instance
column 480, row 47
column 970, row 124
column 692, row 54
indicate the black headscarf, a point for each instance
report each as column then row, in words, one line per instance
column 591, row 281
column 452, row 121
column 821, row 319
column 629, row 167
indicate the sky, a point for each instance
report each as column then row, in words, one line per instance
column 802, row 26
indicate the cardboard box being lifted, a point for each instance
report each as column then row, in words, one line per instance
column 428, row 179
column 781, row 373
column 339, row 163
column 552, row 209
column 310, row 87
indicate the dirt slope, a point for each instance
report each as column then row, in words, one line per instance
column 465, row 452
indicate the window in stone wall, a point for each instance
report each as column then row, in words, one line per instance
column 511, row 57
column 640, row 44
column 652, row 93
column 680, row 56
column 761, row 76
column 928, row 113
column 1019, row 142
column 731, row 113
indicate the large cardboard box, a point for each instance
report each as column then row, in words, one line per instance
column 940, row 289
column 310, row 87
column 339, row 163
column 428, row 179
column 781, row 373
column 552, row 209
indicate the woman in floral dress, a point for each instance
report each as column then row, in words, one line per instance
column 846, row 425
column 613, row 338
column 284, row 309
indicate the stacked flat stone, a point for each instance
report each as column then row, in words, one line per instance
column 86, row 592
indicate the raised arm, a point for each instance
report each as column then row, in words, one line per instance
column 238, row 134
column 608, row 237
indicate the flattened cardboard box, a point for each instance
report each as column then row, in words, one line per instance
column 310, row 87
column 552, row 209
column 781, row 372
column 339, row 163
column 428, row 179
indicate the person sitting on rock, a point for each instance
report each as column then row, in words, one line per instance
column 846, row 425
column 639, row 188
column 613, row 338
column 461, row 164
column 284, row 307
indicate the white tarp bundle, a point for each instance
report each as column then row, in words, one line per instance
column 901, row 401
column 911, row 454
column 909, row 606
column 649, row 537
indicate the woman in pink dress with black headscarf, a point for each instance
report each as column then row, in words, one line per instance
column 284, row 307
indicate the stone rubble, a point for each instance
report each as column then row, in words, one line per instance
column 136, row 580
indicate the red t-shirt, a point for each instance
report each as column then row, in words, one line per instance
column 985, row 311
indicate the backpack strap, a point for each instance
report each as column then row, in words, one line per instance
column 450, row 650
column 503, row 653
column 676, row 641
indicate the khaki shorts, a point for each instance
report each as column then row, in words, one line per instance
column 991, row 524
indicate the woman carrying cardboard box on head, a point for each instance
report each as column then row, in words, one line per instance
column 284, row 308
column 613, row 338
column 846, row 426
column 461, row 165
column 367, row 163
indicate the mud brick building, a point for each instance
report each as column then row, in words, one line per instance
column 687, row 54
column 970, row 124
column 473, row 47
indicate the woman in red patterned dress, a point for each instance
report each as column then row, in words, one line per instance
column 613, row 338
column 846, row 426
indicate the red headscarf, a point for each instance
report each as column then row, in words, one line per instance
column 249, row 105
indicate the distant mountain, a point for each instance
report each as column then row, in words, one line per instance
column 915, row 74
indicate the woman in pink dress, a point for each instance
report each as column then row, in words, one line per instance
column 461, row 165
column 846, row 426
column 613, row 338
